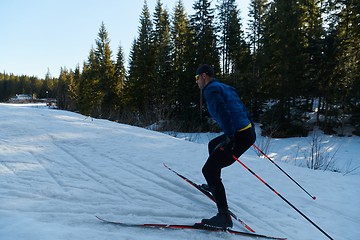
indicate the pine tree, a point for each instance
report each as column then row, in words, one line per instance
column 204, row 40
column 183, row 64
column 89, row 95
column 46, row 85
column 179, row 35
column 258, row 12
column 2, row 87
column 120, row 70
column 62, row 94
column 314, row 48
column 108, row 82
column 286, row 59
column 131, row 99
column 74, row 81
column 98, row 86
column 235, row 52
column 163, row 87
column 139, row 90
column 231, row 35
column 346, row 13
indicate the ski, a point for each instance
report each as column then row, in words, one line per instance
column 196, row 226
column 209, row 195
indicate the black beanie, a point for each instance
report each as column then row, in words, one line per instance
column 205, row 69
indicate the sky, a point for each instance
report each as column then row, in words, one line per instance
column 39, row 35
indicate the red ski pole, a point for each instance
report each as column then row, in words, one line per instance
column 313, row 197
column 282, row 197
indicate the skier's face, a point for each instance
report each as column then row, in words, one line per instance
column 200, row 80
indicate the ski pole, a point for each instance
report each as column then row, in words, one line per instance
column 313, row 197
column 282, row 197
column 209, row 196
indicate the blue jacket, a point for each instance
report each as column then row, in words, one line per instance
column 225, row 107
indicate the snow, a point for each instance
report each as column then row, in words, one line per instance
column 59, row 169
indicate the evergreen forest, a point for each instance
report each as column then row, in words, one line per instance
column 295, row 57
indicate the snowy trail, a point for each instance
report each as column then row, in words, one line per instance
column 59, row 169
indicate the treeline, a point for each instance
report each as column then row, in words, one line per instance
column 10, row 85
column 296, row 55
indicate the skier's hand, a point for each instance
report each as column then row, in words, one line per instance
column 228, row 145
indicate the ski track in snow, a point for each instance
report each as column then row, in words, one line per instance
column 137, row 171
column 59, row 169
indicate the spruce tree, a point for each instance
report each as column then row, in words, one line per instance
column 89, row 95
column 108, row 82
column 163, row 75
column 62, row 95
column 49, row 84
column 231, row 35
column 314, row 49
column 2, row 87
column 204, row 38
column 131, row 99
column 186, row 90
column 139, row 90
column 346, row 13
column 258, row 12
column 235, row 52
column 204, row 41
column 286, row 59
column 120, row 71
column 74, row 81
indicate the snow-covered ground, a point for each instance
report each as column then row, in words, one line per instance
column 59, row 169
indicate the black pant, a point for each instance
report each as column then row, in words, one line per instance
column 218, row 159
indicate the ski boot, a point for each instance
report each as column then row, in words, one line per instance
column 209, row 190
column 221, row 220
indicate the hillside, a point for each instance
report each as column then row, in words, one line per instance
column 59, row 169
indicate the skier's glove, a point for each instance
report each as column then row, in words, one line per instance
column 228, row 145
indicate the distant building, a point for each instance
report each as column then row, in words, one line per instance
column 22, row 97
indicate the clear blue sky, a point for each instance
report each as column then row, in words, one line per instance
column 39, row 34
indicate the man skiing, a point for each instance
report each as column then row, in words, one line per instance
column 227, row 109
